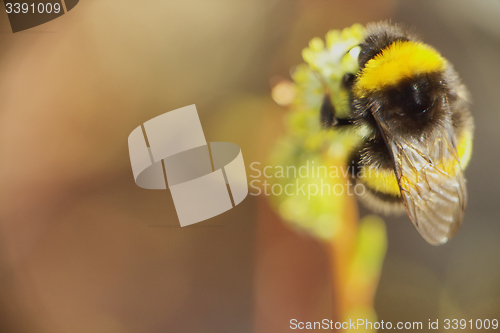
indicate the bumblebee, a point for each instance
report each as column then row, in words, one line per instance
column 416, row 111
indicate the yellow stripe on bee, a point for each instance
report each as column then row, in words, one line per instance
column 400, row 60
column 464, row 148
column 464, row 152
column 385, row 181
column 380, row 180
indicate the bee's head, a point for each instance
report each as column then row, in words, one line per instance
column 404, row 82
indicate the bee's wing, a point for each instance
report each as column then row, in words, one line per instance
column 431, row 181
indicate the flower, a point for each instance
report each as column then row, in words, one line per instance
column 306, row 143
column 357, row 249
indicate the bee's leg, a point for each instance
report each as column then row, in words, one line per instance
column 327, row 115
column 348, row 81
column 344, row 122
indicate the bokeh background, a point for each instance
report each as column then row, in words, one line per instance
column 83, row 249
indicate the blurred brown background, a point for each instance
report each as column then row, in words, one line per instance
column 83, row 249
